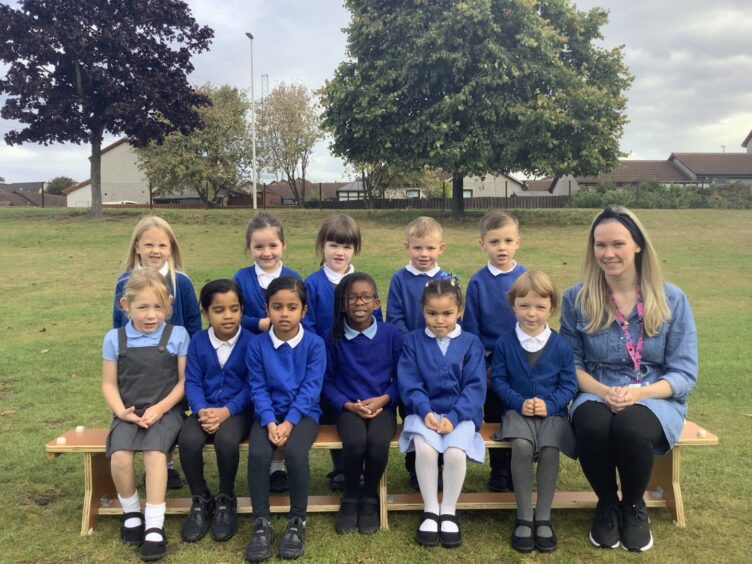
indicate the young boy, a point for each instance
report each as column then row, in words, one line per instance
column 488, row 315
column 424, row 244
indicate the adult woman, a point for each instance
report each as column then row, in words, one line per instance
column 635, row 346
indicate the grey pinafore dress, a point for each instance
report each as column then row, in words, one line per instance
column 145, row 375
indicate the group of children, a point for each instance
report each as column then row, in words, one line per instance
column 282, row 354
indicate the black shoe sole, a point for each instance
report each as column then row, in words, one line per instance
column 224, row 538
column 260, row 557
column 290, row 555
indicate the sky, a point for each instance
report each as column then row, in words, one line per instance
column 691, row 61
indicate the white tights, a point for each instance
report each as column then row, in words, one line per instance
column 427, row 469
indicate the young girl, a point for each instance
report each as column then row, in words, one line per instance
column 216, row 385
column 533, row 374
column 442, row 382
column 286, row 370
column 265, row 240
column 361, row 385
column 142, row 383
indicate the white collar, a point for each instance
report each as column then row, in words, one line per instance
column 495, row 271
column 532, row 344
column 335, row 277
column 216, row 342
column 369, row 331
column 272, row 275
column 164, row 271
column 294, row 342
column 453, row 334
column 430, row 273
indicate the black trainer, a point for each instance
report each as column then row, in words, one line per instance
column 291, row 545
column 174, row 480
column 336, row 481
column 259, row 547
column 225, row 518
column 278, row 481
column 635, row 527
column 605, row 530
column 347, row 516
column 197, row 522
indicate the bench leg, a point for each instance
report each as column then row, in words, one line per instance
column 382, row 502
column 97, row 485
column 666, row 476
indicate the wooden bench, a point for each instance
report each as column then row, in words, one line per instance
column 100, row 497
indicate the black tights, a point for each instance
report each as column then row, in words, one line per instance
column 608, row 442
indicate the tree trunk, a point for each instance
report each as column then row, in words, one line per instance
column 96, row 174
column 458, row 200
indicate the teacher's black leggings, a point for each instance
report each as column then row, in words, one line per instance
column 623, row 442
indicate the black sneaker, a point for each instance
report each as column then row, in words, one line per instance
column 635, row 527
column 225, row 518
column 336, row 481
column 605, row 529
column 291, row 545
column 259, row 547
column 197, row 522
column 347, row 516
column 278, row 481
column 174, row 481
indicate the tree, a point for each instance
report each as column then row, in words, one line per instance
column 58, row 184
column 80, row 68
column 214, row 159
column 381, row 180
column 288, row 123
column 477, row 87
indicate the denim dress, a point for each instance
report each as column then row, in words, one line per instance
column 671, row 355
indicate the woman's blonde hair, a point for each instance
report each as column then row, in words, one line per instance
column 594, row 300
column 534, row 281
column 174, row 261
column 148, row 279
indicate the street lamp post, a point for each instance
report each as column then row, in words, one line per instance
column 253, row 125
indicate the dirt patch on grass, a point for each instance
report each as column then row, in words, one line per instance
column 41, row 499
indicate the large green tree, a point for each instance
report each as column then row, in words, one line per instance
column 80, row 68
column 476, row 87
column 214, row 159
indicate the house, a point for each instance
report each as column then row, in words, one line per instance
column 496, row 186
column 279, row 193
column 630, row 172
column 28, row 194
column 550, row 186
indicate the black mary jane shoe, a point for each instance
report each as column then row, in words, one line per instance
column 369, row 519
column 545, row 544
column 523, row 544
column 450, row 540
column 347, row 516
column 427, row 538
column 153, row 550
column 132, row 535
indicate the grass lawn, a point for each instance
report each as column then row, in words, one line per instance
column 56, row 284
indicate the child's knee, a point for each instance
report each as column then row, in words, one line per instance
column 121, row 460
column 154, row 458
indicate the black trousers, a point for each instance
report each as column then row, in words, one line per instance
column 260, row 451
column 623, row 442
column 226, row 440
column 329, row 416
column 365, row 448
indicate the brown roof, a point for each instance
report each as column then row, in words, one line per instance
column 747, row 139
column 542, row 185
column 9, row 199
column 19, row 198
column 716, row 164
column 328, row 189
column 635, row 171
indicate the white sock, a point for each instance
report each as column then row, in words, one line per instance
column 154, row 518
column 131, row 505
column 277, row 465
column 455, row 466
column 427, row 470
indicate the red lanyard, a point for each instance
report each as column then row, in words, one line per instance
column 633, row 349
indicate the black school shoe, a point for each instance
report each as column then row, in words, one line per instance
column 153, row 550
column 336, row 480
column 545, row 544
column 427, row 538
column 132, row 535
column 174, row 480
column 523, row 544
column 278, row 481
column 347, row 516
column 605, row 529
column 450, row 540
column 259, row 547
column 635, row 527
column 291, row 545
column 197, row 522
column 369, row 519
column 225, row 518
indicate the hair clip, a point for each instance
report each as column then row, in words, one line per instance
column 453, row 279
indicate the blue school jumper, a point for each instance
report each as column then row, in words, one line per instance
column 487, row 312
column 403, row 304
column 207, row 384
column 453, row 384
column 254, row 296
column 552, row 379
column 362, row 368
column 185, row 312
column 286, row 382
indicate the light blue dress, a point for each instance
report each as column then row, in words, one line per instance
column 669, row 355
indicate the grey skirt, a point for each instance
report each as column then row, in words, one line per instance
column 553, row 431
column 162, row 436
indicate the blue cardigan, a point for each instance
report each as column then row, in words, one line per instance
column 254, row 296
column 403, row 304
column 487, row 311
column 362, row 368
column 209, row 385
column 553, row 379
column 320, row 316
column 286, row 382
column 453, row 384
column 185, row 312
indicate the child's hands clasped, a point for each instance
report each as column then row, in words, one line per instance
column 129, row 414
column 151, row 416
column 278, row 434
column 534, row 407
column 211, row 418
column 442, row 425
column 369, row 408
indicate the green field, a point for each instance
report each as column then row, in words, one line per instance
column 57, row 277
